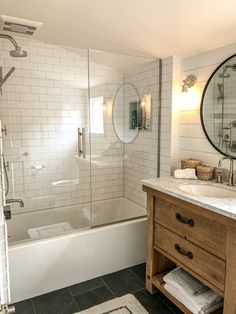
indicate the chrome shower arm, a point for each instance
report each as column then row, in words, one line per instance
column 12, row 40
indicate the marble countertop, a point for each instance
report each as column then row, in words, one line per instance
column 170, row 185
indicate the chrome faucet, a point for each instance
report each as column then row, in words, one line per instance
column 220, row 171
column 13, row 200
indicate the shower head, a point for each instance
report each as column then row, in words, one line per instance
column 224, row 75
column 17, row 52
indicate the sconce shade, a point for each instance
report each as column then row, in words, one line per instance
column 188, row 83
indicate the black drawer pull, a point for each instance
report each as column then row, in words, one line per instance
column 183, row 252
column 184, row 220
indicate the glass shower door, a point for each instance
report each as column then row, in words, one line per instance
column 44, row 107
column 120, row 136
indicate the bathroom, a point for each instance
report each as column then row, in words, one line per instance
column 87, row 115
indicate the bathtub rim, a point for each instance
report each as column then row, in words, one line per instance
column 74, row 233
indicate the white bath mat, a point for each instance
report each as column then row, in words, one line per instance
column 49, row 230
column 127, row 304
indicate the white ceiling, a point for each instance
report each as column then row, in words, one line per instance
column 142, row 27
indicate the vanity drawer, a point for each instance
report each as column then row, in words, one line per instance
column 201, row 230
column 206, row 265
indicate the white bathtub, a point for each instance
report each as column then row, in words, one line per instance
column 51, row 263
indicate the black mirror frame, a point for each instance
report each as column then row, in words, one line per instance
column 202, row 102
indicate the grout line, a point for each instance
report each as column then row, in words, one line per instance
column 32, row 302
column 143, row 282
column 74, row 300
column 142, row 289
column 109, row 288
column 69, row 306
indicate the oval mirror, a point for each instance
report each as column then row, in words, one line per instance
column 126, row 112
column 218, row 109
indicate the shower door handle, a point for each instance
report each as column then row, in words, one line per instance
column 81, row 143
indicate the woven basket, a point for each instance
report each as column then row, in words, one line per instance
column 205, row 173
column 189, row 163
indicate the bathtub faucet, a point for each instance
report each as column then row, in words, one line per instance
column 13, row 200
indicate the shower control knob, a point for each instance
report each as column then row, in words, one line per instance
column 4, row 130
column 7, row 213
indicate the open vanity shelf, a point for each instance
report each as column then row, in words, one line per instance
column 158, row 282
column 197, row 239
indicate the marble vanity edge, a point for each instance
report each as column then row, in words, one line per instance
column 169, row 185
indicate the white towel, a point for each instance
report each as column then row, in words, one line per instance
column 179, row 277
column 188, row 173
column 203, row 303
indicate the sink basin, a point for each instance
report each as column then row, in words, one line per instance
column 208, row 190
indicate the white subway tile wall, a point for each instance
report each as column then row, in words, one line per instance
column 43, row 103
column 106, row 149
column 140, row 156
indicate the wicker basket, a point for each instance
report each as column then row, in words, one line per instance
column 205, row 173
column 189, row 163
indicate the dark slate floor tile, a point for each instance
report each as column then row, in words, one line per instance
column 152, row 304
column 72, row 308
column 53, row 302
column 24, row 307
column 172, row 307
column 140, row 271
column 160, row 296
column 122, row 282
column 93, row 297
column 86, row 286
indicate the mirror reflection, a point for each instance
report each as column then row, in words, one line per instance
column 130, row 112
column 218, row 110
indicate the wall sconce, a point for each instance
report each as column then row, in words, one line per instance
column 145, row 113
column 188, row 83
column 190, row 98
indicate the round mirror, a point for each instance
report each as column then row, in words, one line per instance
column 218, row 108
column 126, row 112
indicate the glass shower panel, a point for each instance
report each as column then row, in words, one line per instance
column 44, row 105
column 123, row 140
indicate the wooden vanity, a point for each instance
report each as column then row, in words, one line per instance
column 199, row 240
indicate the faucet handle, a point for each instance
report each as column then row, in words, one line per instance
column 219, row 173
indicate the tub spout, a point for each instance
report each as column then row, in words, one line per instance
column 13, row 200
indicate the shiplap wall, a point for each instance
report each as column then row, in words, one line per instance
column 192, row 140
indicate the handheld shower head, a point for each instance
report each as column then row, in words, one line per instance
column 18, row 53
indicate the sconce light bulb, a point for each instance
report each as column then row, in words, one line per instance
column 143, row 102
column 184, row 88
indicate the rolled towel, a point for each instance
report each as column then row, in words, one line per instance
column 179, row 277
column 187, row 173
column 203, row 303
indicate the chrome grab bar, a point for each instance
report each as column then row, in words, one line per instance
column 81, row 143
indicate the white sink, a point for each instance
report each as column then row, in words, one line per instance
column 208, row 190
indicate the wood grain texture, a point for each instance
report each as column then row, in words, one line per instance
column 203, row 263
column 210, row 233
column 212, row 241
column 230, row 282
column 156, row 262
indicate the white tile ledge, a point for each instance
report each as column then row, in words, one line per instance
column 170, row 185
